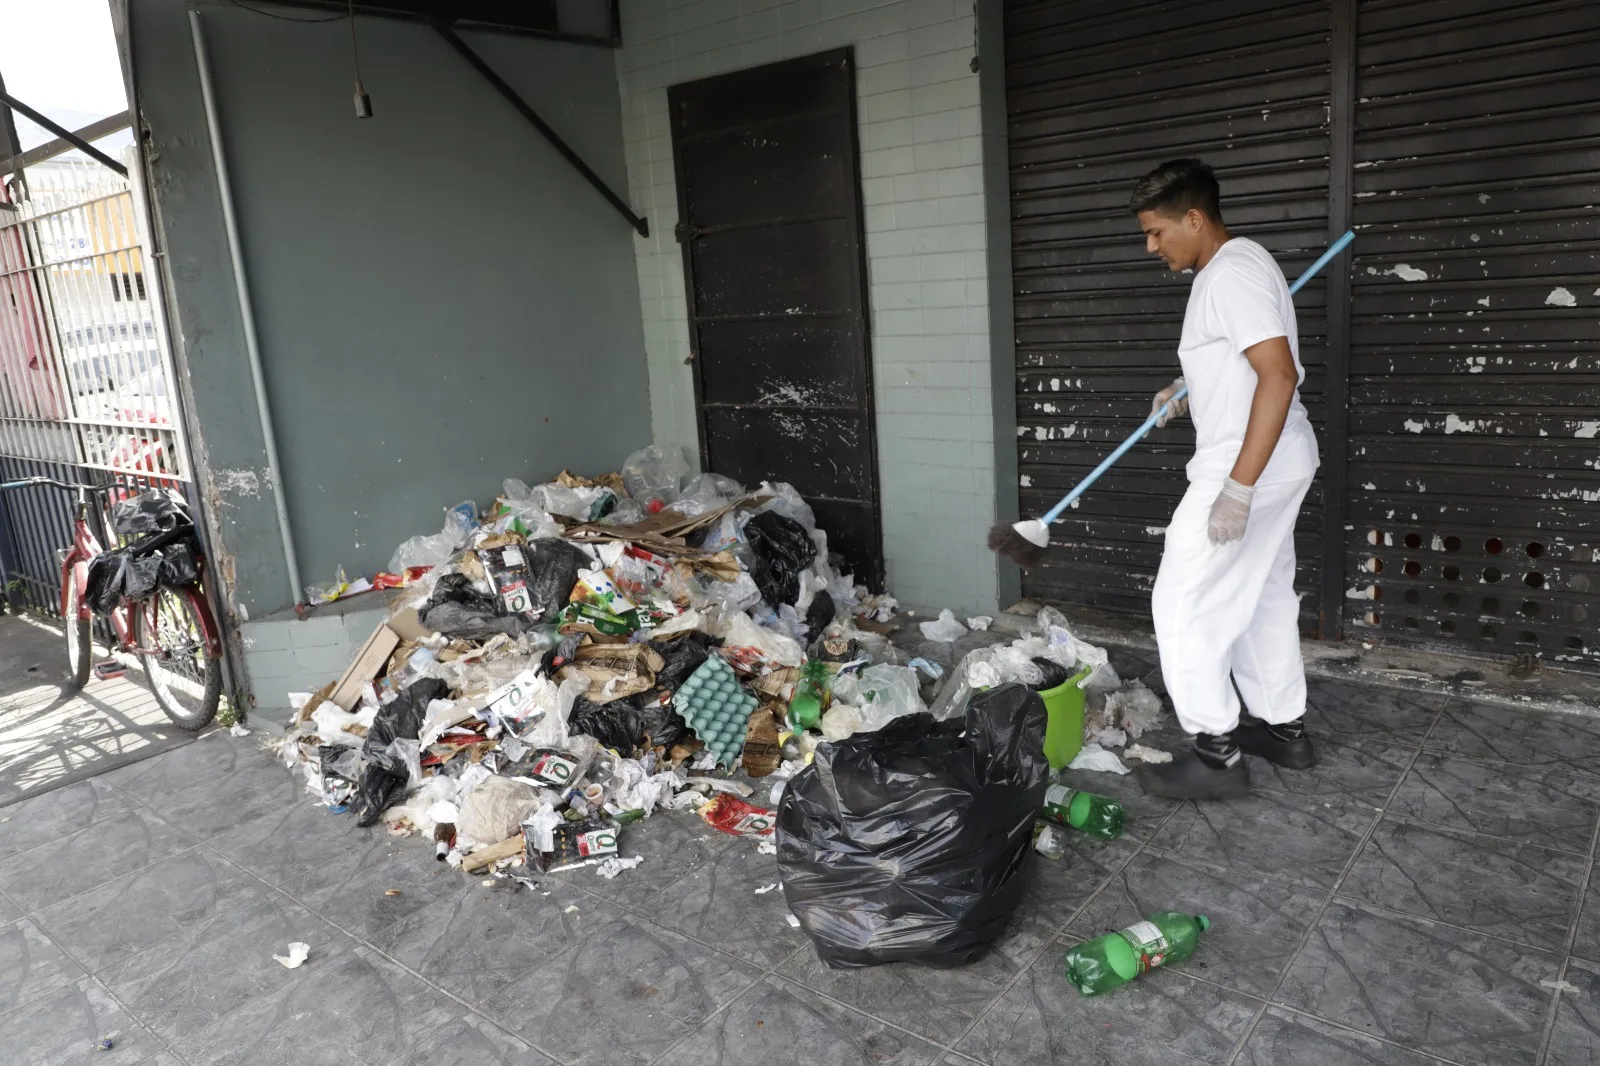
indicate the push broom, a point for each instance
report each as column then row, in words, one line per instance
column 1025, row 543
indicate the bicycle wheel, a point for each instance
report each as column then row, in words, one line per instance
column 184, row 678
column 80, row 648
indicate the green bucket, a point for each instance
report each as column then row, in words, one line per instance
column 1063, row 731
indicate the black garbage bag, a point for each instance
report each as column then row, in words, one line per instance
column 820, row 615
column 555, row 565
column 155, row 511
column 1055, row 675
column 681, row 657
column 141, row 575
column 783, row 549
column 107, row 578
column 626, row 725
column 180, row 564
column 906, row 845
column 384, row 776
column 459, row 610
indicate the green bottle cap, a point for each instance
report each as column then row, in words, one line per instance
column 1203, row 922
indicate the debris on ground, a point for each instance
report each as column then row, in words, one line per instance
column 298, row 953
column 559, row 666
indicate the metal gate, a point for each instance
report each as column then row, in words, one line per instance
column 86, row 386
column 1453, row 363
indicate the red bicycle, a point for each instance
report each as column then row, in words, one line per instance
column 168, row 625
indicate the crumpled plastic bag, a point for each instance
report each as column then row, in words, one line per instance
column 886, row 693
column 579, row 502
column 391, row 766
column 1094, row 757
column 1135, row 708
column 627, row 726
column 910, row 845
column 744, row 641
column 496, row 808
column 784, row 549
column 435, row 549
column 655, row 473
column 704, row 493
column 787, row 501
column 727, row 597
column 944, row 628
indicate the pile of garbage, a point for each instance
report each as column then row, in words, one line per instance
column 559, row 666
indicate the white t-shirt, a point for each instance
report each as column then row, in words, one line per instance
column 1239, row 299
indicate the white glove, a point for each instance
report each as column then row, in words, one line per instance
column 1230, row 512
column 1179, row 407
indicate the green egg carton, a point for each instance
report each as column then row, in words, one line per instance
column 717, row 708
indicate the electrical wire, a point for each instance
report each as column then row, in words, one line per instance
column 355, row 56
column 284, row 18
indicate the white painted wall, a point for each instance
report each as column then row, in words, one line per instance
column 922, row 186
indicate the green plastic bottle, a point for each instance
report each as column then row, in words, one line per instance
column 1113, row 960
column 1083, row 810
column 810, row 693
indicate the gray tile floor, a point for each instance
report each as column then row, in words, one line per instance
column 1421, row 896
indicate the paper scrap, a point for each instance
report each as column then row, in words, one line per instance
column 793, row 921
column 613, row 866
column 298, row 953
column 764, row 889
column 572, row 909
column 1140, row 753
column 767, row 847
column 980, row 623
column 238, row 731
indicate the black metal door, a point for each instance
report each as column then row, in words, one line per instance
column 769, row 207
column 1097, row 94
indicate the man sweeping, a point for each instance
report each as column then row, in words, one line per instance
column 1225, row 608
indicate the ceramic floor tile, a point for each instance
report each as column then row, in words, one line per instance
column 56, row 814
column 1549, row 806
column 1490, row 885
column 1449, row 993
column 1056, row 889
column 9, row 912
column 619, row 993
column 1256, row 922
column 1142, row 813
column 176, row 899
column 30, row 965
column 482, row 940
column 1364, row 769
column 1334, row 708
column 671, row 842
column 339, row 870
column 1521, row 738
column 185, row 985
column 1575, row 1041
column 1283, row 1038
column 1162, row 1019
column 471, row 1040
column 937, row 1003
column 74, row 864
column 1305, row 839
column 64, row 1028
column 210, row 786
column 354, row 1008
column 782, row 1024
column 1587, row 943
column 719, row 904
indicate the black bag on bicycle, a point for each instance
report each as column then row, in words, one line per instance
column 154, row 511
column 107, row 578
column 179, row 566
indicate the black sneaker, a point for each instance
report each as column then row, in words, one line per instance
column 1188, row 776
column 1283, row 745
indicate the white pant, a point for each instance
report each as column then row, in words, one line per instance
column 1231, row 609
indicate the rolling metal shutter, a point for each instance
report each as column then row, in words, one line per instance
column 1475, row 336
column 1097, row 94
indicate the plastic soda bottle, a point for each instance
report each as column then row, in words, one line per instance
column 1113, row 960
column 1083, row 810
column 810, row 693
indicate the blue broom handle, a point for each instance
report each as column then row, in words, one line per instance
column 1139, row 434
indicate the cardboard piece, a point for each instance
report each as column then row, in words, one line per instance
column 367, row 664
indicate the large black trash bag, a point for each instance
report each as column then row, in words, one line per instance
column 626, row 725
column 783, row 549
column 458, row 608
column 909, row 846
column 681, row 656
column 384, row 776
column 152, row 511
column 108, row 576
column 555, row 565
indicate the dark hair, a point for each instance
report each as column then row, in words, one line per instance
column 1176, row 187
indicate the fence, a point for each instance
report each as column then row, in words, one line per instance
column 87, row 392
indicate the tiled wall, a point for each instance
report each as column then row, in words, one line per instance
column 922, row 186
column 285, row 654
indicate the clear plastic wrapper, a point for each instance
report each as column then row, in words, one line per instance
column 655, row 473
column 945, row 628
column 433, row 549
column 886, row 693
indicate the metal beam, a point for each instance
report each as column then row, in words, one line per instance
column 526, row 111
column 62, row 132
column 60, row 146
